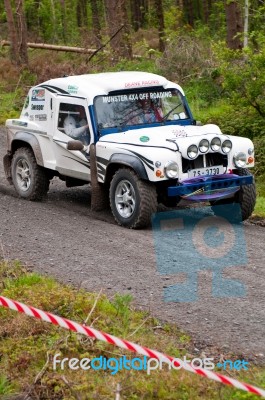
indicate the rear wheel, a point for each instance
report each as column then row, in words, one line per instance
column 132, row 200
column 29, row 179
column 245, row 197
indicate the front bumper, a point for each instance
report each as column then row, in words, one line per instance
column 211, row 187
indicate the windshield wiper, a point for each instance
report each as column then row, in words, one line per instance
column 170, row 111
column 124, row 123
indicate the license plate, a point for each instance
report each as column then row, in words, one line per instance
column 216, row 170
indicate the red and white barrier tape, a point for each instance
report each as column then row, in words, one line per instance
column 124, row 344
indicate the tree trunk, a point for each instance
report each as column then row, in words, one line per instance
column 54, row 36
column 198, row 10
column 116, row 15
column 22, row 32
column 64, row 20
column 96, row 21
column 188, row 8
column 205, row 5
column 144, row 9
column 135, row 14
column 246, row 14
column 14, row 53
column 161, row 24
column 234, row 25
column 179, row 4
column 81, row 13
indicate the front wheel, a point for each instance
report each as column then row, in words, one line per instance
column 29, row 179
column 245, row 197
column 132, row 200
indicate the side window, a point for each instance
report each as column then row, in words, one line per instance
column 72, row 121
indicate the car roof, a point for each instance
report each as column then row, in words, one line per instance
column 91, row 85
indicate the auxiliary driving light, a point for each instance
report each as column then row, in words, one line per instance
column 216, row 144
column 204, row 145
column 171, row 169
column 226, row 146
column 240, row 160
column 192, row 151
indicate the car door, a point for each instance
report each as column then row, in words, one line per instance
column 72, row 122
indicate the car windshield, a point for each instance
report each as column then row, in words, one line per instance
column 139, row 107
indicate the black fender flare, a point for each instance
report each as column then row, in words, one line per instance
column 32, row 141
column 128, row 160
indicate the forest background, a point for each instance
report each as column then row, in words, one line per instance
column 215, row 49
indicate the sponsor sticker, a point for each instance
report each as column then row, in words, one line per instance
column 38, row 95
column 72, row 89
column 179, row 133
column 141, row 83
column 144, row 139
column 41, row 117
column 37, row 107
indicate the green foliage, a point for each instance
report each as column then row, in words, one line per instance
column 261, row 186
column 243, row 76
column 173, row 21
column 122, row 304
column 259, row 210
column 202, row 93
column 259, row 143
column 187, row 58
column 5, row 386
column 142, row 64
column 232, row 119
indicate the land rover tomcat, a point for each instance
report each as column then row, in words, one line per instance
column 132, row 136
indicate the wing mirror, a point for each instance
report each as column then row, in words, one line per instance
column 75, row 145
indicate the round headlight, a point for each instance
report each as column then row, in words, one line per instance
column 226, row 146
column 204, row 145
column 216, row 144
column 240, row 160
column 192, row 151
column 171, row 169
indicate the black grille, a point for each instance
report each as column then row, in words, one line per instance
column 211, row 160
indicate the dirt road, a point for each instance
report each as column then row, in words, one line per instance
column 63, row 238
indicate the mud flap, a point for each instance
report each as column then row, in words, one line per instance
column 7, row 167
column 99, row 194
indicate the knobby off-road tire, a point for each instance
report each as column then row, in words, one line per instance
column 132, row 200
column 29, row 179
column 245, row 197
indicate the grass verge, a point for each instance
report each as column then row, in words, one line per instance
column 27, row 347
column 259, row 210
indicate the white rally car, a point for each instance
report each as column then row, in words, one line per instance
column 133, row 137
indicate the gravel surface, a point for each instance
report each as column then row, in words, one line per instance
column 63, row 238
